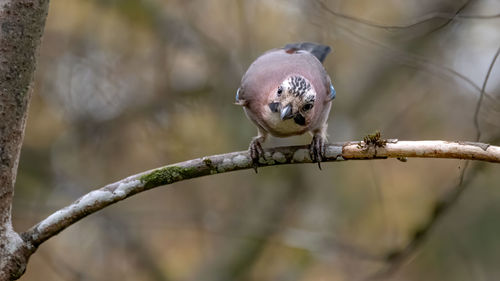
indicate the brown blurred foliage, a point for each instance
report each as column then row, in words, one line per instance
column 125, row 86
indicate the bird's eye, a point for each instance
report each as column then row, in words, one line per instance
column 307, row 106
column 280, row 90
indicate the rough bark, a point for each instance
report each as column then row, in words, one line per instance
column 21, row 27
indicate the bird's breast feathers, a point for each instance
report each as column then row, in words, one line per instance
column 281, row 128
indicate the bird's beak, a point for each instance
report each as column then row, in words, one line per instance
column 286, row 112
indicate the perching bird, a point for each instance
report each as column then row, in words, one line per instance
column 287, row 92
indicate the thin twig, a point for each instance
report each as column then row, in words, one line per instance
column 420, row 20
column 450, row 19
column 481, row 96
column 413, row 60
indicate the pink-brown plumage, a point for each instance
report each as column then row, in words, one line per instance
column 274, row 78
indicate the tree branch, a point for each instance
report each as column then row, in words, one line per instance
column 378, row 149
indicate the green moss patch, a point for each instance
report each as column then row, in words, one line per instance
column 167, row 175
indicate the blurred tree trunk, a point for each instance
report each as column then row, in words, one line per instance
column 21, row 27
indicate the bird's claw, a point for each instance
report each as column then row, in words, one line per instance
column 317, row 149
column 255, row 152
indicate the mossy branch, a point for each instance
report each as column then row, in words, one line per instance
column 112, row 193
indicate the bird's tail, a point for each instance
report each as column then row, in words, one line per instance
column 319, row 51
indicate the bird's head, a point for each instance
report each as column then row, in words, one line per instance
column 293, row 99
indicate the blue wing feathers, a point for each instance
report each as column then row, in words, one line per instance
column 332, row 92
column 237, row 98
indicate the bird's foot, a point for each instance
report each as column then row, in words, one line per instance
column 317, row 149
column 256, row 152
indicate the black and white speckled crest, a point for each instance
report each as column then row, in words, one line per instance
column 299, row 86
column 310, row 98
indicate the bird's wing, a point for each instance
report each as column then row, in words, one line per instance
column 239, row 98
column 332, row 93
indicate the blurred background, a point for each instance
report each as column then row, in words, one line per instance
column 123, row 86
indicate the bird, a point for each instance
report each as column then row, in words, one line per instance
column 285, row 92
